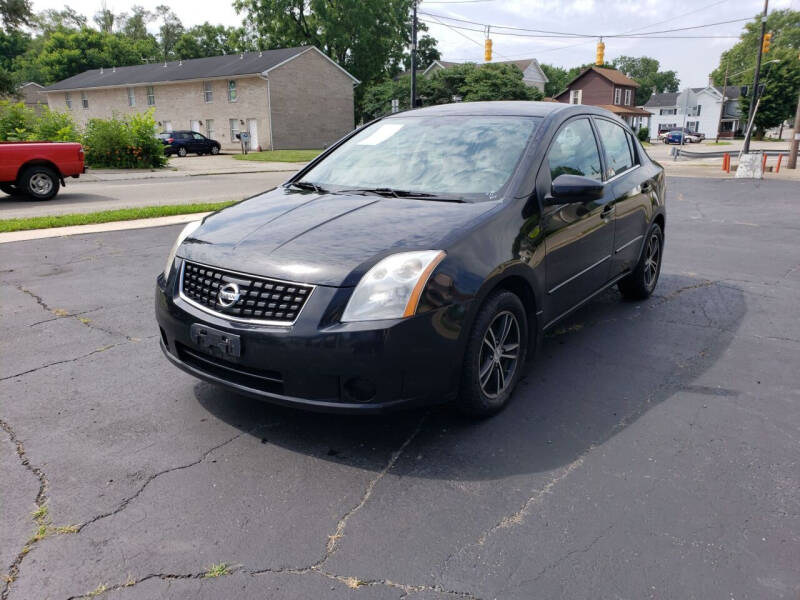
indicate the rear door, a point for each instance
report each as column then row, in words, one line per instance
column 630, row 187
column 580, row 234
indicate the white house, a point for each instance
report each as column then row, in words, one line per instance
column 697, row 109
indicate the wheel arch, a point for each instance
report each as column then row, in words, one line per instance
column 38, row 162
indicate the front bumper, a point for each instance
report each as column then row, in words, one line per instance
column 368, row 367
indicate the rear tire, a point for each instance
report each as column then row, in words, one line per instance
column 9, row 188
column 39, row 182
column 639, row 285
column 495, row 355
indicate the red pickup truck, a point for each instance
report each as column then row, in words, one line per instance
column 37, row 168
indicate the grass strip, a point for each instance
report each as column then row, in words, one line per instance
column 280, row 155
column 108, row 216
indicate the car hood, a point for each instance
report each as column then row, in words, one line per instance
column 323, row 239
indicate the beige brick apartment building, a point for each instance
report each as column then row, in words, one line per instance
column 285, row 98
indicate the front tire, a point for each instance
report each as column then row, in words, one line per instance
column 182, row 152
column 495, row 355
column 639, row 285
column 39, row 182
column 215, row 150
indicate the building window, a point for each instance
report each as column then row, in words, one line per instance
column 131, row 97
column 68, row 99
column 668, row 111
column 151, row 96
column 692, row 125
column 84, row 100
column 575, row 96
column 694, row 111
column 208, row 94
column 210, row 128
column 617, row 95
column 234, row 124
column 627, row 97
column 231, row 91
column 168, row 126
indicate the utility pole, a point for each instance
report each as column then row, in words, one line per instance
column 754, row 94
column 722, row 106
column 414, row 56
column 792, row 164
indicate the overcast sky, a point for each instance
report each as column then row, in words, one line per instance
column 693, row 59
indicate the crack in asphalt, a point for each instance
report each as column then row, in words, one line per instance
column 125, row 502
column 40, row 500
column 60, row 362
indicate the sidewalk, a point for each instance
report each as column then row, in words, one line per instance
column 192, row 166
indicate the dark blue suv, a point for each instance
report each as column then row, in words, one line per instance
column 184, row 142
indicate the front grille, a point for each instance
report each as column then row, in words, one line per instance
column 266, row 381
column 260, row 298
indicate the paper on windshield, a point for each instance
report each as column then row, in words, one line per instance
column 383, row 133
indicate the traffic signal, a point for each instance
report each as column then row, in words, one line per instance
column 601, row 50
column 487, row 50
column 765, row 44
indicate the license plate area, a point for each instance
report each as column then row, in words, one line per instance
column 216, row 342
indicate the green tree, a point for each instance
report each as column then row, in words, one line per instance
column 105, row 19
column 362, row 36
column 134, row 25
column 558, row 77
column 496, row 81
column 644, row 71
column 781, row 80
column 169, row 32
column 206, row 40
column 13, row 43
column 427, row 52
column 15, row 13
column 50, row 20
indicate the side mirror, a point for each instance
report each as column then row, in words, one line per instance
column 574, row 188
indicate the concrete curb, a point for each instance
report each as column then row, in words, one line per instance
column 38, row 234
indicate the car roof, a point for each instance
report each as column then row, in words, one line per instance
column 521, row 108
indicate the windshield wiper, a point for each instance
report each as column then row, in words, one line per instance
column 395, row 193
column 307, row 185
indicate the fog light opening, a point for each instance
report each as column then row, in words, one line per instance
column 164, row 338
column 359, row 389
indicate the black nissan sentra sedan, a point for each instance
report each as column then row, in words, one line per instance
column 418, row 260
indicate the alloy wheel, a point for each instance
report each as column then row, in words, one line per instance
column 41, row 184
column 652, row 258
column 499, row 355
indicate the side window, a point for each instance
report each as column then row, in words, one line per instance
column 617, row 145
column 197, row 136
column 574, row 151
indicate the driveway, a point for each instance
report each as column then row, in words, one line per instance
column 651, row 452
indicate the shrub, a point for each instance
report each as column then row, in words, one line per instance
column 16, row 121
column 643, row 134
column 128, row 142
column 54, row 126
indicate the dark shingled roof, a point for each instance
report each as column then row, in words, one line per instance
column 196, row 68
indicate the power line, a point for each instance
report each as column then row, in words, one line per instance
column 549, row 33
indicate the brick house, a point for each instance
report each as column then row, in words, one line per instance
column 532, row 73
column 285, row 98
column 609, row 89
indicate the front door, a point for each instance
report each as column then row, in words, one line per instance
column 579, row 235
column 252, row 128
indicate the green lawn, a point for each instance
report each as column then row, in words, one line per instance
column 107, row 216
column 719, row 144
column 280, row 155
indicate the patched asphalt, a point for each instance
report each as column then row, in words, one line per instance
column 651, row 452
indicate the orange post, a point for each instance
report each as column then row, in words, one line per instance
column 764, row 163
column 726, row 162
column 780, row 160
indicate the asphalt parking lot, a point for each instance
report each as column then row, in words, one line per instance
column 653, row 450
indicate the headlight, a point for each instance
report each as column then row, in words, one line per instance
column 392, row 288
column 186, row 232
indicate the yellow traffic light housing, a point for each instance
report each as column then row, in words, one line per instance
column 601, row 51
column 765, row 45
column 487, row 50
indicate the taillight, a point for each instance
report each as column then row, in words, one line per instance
column 80, row 153
column 170, row 140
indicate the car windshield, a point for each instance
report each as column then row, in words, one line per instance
column 468, row 158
